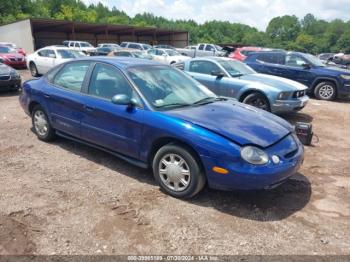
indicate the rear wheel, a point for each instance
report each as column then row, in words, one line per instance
column 33, row 69
column 325, row 91
column 41, row 124
column 257, row 100
column 177, row 171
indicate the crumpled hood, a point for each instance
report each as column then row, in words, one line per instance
column 281, row 83
column 238, row 122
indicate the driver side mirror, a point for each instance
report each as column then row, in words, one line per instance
column 306, row 66
column 218, row 74
column 124, row 100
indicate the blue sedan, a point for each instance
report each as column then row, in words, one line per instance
column 153, row 115
column 231, row 78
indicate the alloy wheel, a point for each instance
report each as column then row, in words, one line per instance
column 326, row 92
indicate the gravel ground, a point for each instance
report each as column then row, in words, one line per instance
column 65, row 198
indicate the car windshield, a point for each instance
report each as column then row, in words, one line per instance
column 219, row 48
column 166, row 87
column 172, row 52
column 235, row 68
column 314, row 60
column 6, row 50
column 66, row 54
column 85, row 44
column 140, row 55
column 146, row 47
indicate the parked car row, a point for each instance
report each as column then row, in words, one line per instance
column 231, row 78
column 154, row 115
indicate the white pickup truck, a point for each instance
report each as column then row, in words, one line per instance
column 202, row 50
column 82, row 46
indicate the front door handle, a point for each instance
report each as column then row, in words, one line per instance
column 46, row 95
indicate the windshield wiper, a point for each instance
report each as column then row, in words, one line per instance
column 208, row 100
column 173, row 104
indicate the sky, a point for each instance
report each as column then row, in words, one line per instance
column 255, row 13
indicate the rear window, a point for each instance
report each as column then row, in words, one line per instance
column 135, row 46
column 271, row 58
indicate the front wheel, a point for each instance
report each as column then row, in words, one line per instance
column 257, row 100
column 41, row 124
column 325, row 91
column 177, row 171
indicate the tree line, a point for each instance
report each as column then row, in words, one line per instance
column 308, row 34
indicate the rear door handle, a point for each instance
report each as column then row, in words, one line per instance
column 89, row 108
column 46, row 95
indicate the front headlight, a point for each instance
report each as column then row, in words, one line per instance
column 346, row 77
column 283, row 96
column 14, row 74
column 254, row 155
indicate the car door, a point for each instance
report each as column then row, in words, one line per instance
column 202, row 70
column 116, row 127
column 298, row 69
column 48, row 61
column 64, row 98
column 161, row 56
column 210, row 50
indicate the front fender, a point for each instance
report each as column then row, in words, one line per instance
column 203, row 141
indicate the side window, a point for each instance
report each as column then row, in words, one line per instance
column 51, row 74
column 204, row 67
column 77, row 45
column 71, row 44
column 271, row 58
column 51, row 53
column 159, row 52
column 152, row 51
column 122, row 54
column 72, row 76
column 201, row 47
column 209, row 48
column 123, row 44
column 43, row 53
column 295, row 61
column 135, row 46
column 107, row 81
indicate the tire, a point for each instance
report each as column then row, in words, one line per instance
column 257, row 100
column 33, row 69
column 41, row 124
column 169, row 180
column 325, row 91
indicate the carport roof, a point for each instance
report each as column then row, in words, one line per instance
column 42, row 24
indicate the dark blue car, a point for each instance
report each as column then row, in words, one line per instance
column 153, row 115
column 323, row 81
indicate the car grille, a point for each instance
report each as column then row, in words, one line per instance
column 298, row 94
column 15, row 59
column 4, row 78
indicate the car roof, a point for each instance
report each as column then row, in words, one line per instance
column 121, row 62
column 212, row 59
column 55, row 47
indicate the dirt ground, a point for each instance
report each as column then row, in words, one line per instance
column 66, row 198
